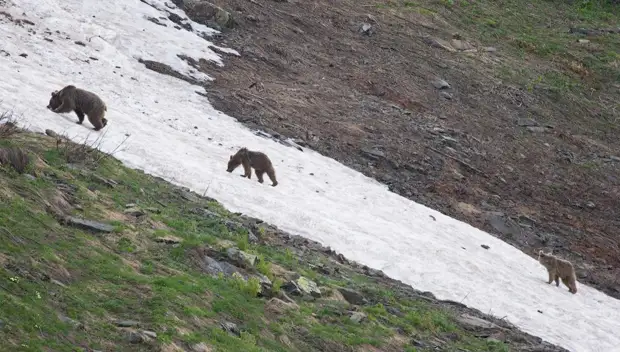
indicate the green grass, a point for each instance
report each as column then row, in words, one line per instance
column 536, row 50
column 126, row 275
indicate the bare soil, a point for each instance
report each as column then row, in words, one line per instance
column 357, row 82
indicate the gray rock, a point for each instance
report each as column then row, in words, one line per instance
column 526, row 122
column 441, row 84
column 206, row 13
column 189, row 196
column 204, row 212
column 449, row 141
column 472, row 322
column 230, row 328
column 503, row 225
column 135, row 337
column 446, row 95
column 590, row 205
column 353, row 297
column 537, row 129
column 265, row 284
column 302, row 287
column 252, row 237
column 373, row 153
column 358, row 317
column 150, row 334
column 126, row 323
column 136, row 212
column 366, row 28
column 241, row 258
column 89, row 224
column 233, row 225
column 484, row 246
column 51, row 133
column 211, row 266
column 30, row 177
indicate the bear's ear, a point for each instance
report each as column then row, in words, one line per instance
column 54, row 93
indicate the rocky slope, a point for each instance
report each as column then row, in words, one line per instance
column 98, row 257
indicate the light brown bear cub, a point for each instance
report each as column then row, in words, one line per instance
column 251, row 159
column 83, row 102
column 559, row 269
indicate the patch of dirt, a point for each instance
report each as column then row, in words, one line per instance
column 360, row 84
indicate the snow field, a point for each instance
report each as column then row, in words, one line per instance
column 166, row 129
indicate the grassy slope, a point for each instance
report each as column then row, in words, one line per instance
column 538, row 52
column 50, row 272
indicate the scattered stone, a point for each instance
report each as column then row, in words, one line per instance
column 276, row 306
column 446, row 95
column 373, row 153
column 503, row 225
column 252, row 237
column 23, row 55
column 230, row 328
column 526, row 122
column 52, row 134
column 302, row 287
column 150, row 334
column 473, row 323
column 439, row 43
column 449, row 141
column 136, row 212
column 537, row 129
column 189, row 196
column 490, row 49
column 366, row 28
column 461, row 45
column 418, row 343
column 168, row 240
column 441, row 84
column 590, row 205
column 241, row 258
column 180, row 21
column 280, row 272
column 353, row 297
column 89, row 224
column 358, row 317
column 583, row 41
column 484, row 246
column 79, row 42
column 126, row 323
column 204, row 212
column 30, row 177
column 143, row 336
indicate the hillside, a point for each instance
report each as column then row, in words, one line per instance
column 434, row 122
column 520, row 138
column 98, row 257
